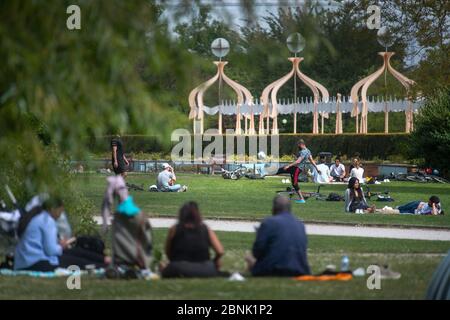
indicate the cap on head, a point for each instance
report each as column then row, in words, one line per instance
column 165, row 165
column 301, row 141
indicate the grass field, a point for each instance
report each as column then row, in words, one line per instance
column 251, row 199
column 415, row 260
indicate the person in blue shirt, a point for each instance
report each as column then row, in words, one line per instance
column 41, row 245
column 294, row 168
column 281, row 244
column 38, row 248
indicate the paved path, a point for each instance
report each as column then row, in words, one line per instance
column 321, row 229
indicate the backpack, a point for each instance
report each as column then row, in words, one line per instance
column 334, row 197
column 92, row 244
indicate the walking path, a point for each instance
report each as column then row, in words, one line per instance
column 319, row 229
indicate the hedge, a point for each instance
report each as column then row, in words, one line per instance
column 370, row 147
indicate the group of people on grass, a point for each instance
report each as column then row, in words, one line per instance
column 336, row 172
column 166, row 179
column 280, row 248
column 355, row 201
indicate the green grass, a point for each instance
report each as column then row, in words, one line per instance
column 415, row 259
column 251, row 199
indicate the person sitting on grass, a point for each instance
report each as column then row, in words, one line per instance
column 38, row 248
column 166, row 180
column 324, row 175
column 132, row 241
column 187, row 247
column 355, row 201
column 280, row 248
column 337, row 170
column 432, row 207
column 357, row 171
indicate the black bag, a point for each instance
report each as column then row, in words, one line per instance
column 334, row 197
column 386, row 198
column 93, row 244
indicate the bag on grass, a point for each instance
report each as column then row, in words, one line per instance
column 334, row 197
column 92, row 244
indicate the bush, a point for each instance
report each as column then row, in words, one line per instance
column 430, row 140
column 28, row 176
column 379, row 147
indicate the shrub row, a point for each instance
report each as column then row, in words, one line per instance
column 370, row 147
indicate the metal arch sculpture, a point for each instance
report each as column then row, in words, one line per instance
column 243, row 97
column 364, row 84
column 338, row 126
column 269, row 97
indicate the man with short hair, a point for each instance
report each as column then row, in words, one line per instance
column 337, row 170
column 281, row 244
column 166, row 180
column 432, row 207
column 119, row 161
column 294, row 168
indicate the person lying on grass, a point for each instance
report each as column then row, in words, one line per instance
column 355, row 201
column 38, row 248
column 188, row 244
column 432, row 207
column 281, row 244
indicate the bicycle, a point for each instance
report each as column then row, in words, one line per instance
column 380, row 196
column 135, row 187
column 290, row 193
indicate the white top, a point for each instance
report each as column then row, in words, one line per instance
column 357, row 173
column 424, row 208
column 324, row 176
column 337, row 171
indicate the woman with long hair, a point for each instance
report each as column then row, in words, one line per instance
column 355, row 201
column 187, row 246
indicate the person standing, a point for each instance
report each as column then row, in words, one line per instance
column 119, row 161
column 294, row 168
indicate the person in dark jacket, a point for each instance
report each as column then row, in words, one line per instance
column 281, row 244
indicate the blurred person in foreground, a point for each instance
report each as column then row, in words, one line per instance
column 280, row 248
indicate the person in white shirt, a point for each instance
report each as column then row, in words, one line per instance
column 324, row 175
column 166, row 180
column 432, row 207
column 337, row 170
column 357, row 171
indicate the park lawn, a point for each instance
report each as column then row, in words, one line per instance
column 251, row 199
column 416, row 260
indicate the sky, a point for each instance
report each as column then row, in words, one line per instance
column 232, row 12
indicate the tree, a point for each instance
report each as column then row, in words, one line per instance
column 425, row 26
column 430, row 140
column 61, row 88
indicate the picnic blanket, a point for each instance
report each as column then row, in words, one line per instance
column 341, row 276
column 60, row 272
